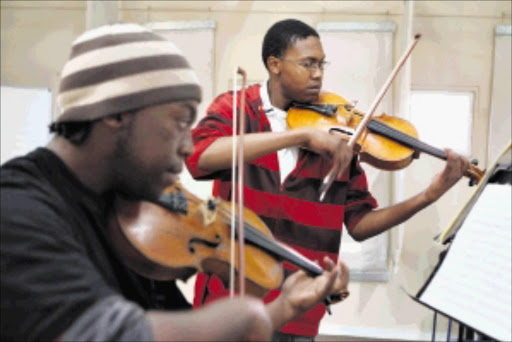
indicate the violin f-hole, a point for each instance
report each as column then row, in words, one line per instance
column 204, row 242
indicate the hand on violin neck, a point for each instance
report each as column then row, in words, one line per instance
column 342, row 157
column 340, row 289
column 301, row 292
column 456, row 166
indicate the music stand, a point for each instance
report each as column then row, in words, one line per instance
column 471, row 283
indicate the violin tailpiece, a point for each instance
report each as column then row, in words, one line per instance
column 177, row 203
column 324, row 109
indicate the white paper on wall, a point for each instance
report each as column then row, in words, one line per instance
column 25, row 116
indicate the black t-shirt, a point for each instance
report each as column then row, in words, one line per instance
column 56, row 260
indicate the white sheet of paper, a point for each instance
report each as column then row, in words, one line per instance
column 473, row 284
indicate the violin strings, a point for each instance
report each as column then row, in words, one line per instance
column 394, row 134
column 226, row 212
column 263, row 241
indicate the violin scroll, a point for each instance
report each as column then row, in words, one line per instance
column 474, row 173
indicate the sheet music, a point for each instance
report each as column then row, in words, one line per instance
column 473, row 284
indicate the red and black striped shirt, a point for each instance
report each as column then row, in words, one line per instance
column 291, row 210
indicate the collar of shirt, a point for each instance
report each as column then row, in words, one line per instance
column 273, row 113
column 287, row 157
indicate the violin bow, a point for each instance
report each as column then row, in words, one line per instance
column 241, row 226
column 329, row 178
column 238, row 145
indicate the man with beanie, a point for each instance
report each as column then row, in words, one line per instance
column 128, row 99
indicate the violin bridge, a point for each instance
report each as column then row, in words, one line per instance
column 208, row 211
column 351, row 109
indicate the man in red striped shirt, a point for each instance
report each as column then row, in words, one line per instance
column 285, row 168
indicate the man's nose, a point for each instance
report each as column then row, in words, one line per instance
column 318, row 72
column 187, row 145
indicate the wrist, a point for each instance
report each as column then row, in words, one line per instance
column 427, row 197
column 303, row 136
column 280, row 312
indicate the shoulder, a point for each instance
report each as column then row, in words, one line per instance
column 225, row 100
column 29, row 203
column 45, row 268
column 20, row 170
column 252, row 91
column 24, row 178
column 27, row 176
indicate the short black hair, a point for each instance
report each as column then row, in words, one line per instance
column 78, row 131
column 74, row 131
column 282, row 34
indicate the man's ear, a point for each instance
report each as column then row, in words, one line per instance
column 274, row 65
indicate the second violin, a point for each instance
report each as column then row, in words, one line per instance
column 387, row 143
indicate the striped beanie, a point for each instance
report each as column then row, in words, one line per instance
column 122, row 67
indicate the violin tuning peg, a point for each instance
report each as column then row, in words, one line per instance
column 472, row 182
column 474, row 162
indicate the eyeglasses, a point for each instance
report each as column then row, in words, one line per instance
column 310, row 65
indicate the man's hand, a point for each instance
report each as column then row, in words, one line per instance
column 340, row 291
column 301, row 292
column 330, row 145
column 455, row 168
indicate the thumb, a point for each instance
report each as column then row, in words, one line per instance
column 328, row 283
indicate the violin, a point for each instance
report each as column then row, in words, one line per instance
column 387, row 142
column 179, row 234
